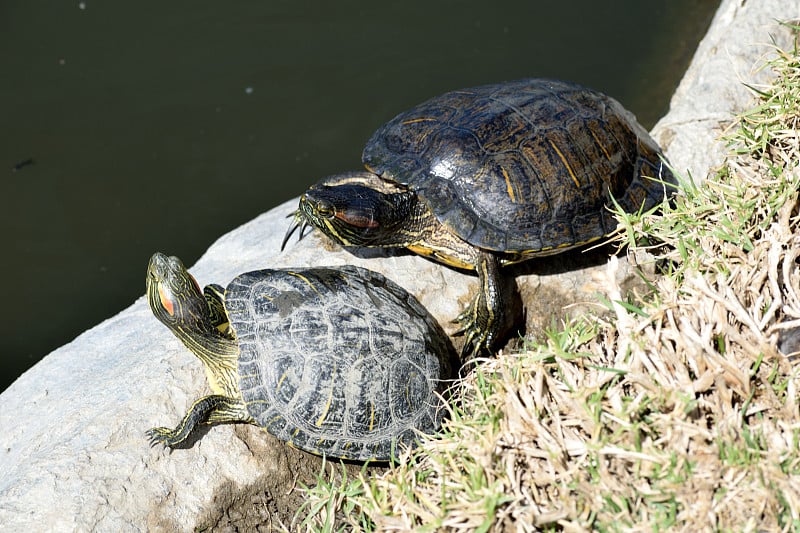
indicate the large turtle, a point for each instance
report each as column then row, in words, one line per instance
column 493, row 175
column 336, row 361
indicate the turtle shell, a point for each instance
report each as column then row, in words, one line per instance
column 340, row 362
column 526, row 166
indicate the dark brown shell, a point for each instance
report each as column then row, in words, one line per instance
column 338, row 361
column 526, row 166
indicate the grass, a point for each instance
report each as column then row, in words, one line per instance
column 674, row 410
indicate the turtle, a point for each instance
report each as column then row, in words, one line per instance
column 484, row 177
column 339, row 362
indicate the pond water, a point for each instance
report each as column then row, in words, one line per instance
column 144, row 126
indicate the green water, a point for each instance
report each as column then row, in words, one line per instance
column 163, row 125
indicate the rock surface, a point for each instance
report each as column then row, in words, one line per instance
column 73, row 455
column 742, row 34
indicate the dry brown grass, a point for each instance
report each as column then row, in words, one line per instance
column 674, row 411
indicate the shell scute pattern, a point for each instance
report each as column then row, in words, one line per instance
column 524, row 166
column 329, row 374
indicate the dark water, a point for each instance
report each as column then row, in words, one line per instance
column 163, row 125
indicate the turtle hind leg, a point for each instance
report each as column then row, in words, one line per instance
column 212, row 409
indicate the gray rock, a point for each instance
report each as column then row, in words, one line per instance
column 72, row 447
column 713, row 89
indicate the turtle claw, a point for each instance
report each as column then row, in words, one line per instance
column 473, row 344
column 476, row 329
column 298, row 222
column 160, row 435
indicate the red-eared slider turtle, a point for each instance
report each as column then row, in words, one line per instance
column 336, row 361
column 493, row 175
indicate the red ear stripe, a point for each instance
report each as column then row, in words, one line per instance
column 357, row 220
column 166, row 302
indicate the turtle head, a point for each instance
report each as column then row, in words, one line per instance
column 175, row 297
column 357, row 209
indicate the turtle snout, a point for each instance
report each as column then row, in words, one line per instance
column 156, row 266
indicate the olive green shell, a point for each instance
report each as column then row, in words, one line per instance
column 338, row 361
column 525, row 166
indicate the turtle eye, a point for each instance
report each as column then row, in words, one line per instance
column 325, row 209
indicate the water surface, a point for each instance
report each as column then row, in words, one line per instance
column 144, row 126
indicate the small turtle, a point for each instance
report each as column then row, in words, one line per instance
column 339, row 361
column 489, row 176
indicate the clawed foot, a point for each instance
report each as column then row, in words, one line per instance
column 214, row 408
column 299, row 221
column 164, row 436
column 479, row 328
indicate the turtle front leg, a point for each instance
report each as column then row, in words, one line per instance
column 212, row 409
column 484, row 318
